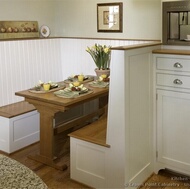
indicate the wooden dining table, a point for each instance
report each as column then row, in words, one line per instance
column 48, row 104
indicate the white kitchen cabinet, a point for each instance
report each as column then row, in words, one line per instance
column 172, row 117
column 173, row 129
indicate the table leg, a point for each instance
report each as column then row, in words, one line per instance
column 47, row 112
column 46, row 154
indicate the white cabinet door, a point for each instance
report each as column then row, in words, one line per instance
column 173, row 129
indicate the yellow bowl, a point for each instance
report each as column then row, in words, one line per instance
column 76, row 83
column 104, row 76
column 81, row 77
column 46, row 86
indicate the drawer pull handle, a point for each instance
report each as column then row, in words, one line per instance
column 178, row 65
column 177, row 82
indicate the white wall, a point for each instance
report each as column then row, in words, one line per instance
column 141, row 19
column 28, row 10
column 78, row 18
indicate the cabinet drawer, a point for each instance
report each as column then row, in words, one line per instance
column 178, row 81
column 173, row 64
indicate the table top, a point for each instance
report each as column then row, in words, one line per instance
column 51, row 98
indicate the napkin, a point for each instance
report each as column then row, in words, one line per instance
column 99, row 84
column 68, row 93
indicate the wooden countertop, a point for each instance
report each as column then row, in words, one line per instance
column 136, row 46
column 171, row 51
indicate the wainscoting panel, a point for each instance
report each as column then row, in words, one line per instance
column 76, row 60
column 24, row 63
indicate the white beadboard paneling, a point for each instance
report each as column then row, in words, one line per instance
column 76, row 60
column 23, row 63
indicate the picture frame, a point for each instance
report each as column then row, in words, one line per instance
column 110, row 17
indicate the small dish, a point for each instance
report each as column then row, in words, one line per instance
column 187, row 39
column 45, row 31
column 39, row 88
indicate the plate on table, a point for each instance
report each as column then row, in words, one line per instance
column 187, row 39
column 53, row 87
column 73, row 92
column 87, row 78
column 99, row 84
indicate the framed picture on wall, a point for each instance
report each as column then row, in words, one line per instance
column 110, row 17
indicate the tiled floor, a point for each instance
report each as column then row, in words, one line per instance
column 167, row 180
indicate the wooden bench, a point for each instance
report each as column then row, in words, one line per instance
column 94, row 132
column 16, row 109
column 88, row 148
column 19, row 126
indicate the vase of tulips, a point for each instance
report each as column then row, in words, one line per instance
column 101, row 55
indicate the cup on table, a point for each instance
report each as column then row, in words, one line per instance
column 76, row 83
column 188, row 36
column 46, row 86
column 80, row 78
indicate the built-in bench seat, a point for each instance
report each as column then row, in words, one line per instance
column 88, row 148
column 19, row 126
column 16, row 109
column 94, row 133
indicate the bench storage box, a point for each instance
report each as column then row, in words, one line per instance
column 19, row 126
